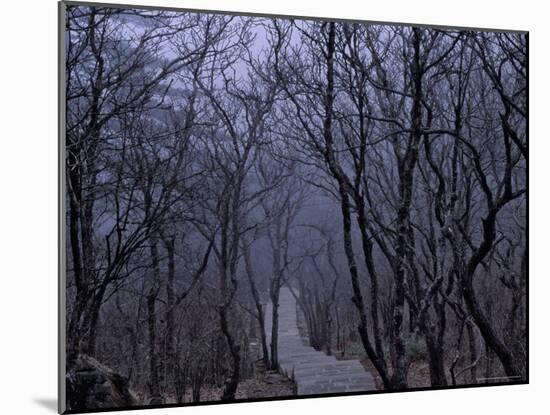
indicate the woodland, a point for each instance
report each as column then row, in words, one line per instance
column 379, row 171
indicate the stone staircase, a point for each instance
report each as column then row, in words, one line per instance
column 313, row 371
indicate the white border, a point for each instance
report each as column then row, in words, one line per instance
column 28, row 226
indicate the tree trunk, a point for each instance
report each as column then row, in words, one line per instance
column 232, row 381
column 274, row 364
column 473, row 354
column 504, row 354
column 171, row 358
column 436, row 361
column 154, row 384
column 343, row 188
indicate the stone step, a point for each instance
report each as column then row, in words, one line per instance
column 314, row 372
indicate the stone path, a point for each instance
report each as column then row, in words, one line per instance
column 314, row 372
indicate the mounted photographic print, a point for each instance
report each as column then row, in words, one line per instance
column 272, row 207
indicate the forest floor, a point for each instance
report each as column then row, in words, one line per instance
column 261, row 385
column 419, row 370
column 265, row 385
column 419, row 374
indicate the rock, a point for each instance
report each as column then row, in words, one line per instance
column 156, row 400
column 91, row 385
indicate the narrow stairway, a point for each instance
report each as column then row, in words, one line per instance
column 314, row 372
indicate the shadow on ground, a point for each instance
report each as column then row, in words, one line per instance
column 48, row 403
